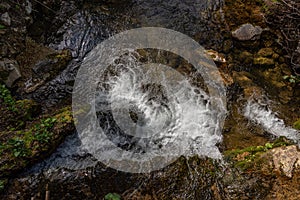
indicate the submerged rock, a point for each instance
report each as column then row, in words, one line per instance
column 247, row 32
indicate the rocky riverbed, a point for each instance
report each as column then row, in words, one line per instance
column 43, row 43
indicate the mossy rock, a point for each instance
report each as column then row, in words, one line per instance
column 18, row 149
column 297, row 124
column 246, row 57
column 53, row 63
column 14, row 114
column 265, row 52
column 262, row 61
column 48, row 68
column 251, row 157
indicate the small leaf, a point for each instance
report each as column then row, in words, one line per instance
column 112, row 196
column 286, row 77
column 269, row 146
column 17, row 153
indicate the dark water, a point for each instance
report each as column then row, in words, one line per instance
column 90, row 25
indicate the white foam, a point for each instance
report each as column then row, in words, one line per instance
column 185, row 121
column 263, row 116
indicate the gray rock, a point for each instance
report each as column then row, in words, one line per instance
column 9, row 72
column 28, row 7
column 247, row 32
column 5, row 6
column 5, row 19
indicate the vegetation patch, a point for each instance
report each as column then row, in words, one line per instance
column 249, row 157
column 6, row 98
column 112, row 196
column 292, row 78
column 23, row 147
column 14, row 114
column 297, row 124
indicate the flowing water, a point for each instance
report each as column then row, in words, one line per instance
column 136, row 94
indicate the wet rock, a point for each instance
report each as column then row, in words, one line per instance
column 53, row 63
column 247, row 32
column 285, row 96
column 253, row 92
column 47, row 68
column 242, row 78
column 9, row 72
column 262, row 61
column 5, row 19
column 227, row 79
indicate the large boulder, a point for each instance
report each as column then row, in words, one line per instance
column 247, row 32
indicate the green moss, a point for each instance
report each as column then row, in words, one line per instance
column 7, row 99
column 22, row 144
column 297, row 124
column 22, row 147
column 265, row 52
column 15, row 116
column 248, row 157
column 3, row 182
column 262, row 61
column 112, row 196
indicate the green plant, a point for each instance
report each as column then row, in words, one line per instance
column 112, row 196
column 245, row 158
column 292, row 78
column 7, row 98
column 18, row 147
column 2, row 184
column 42, row 130
column 297, row 124
column 2, row 26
